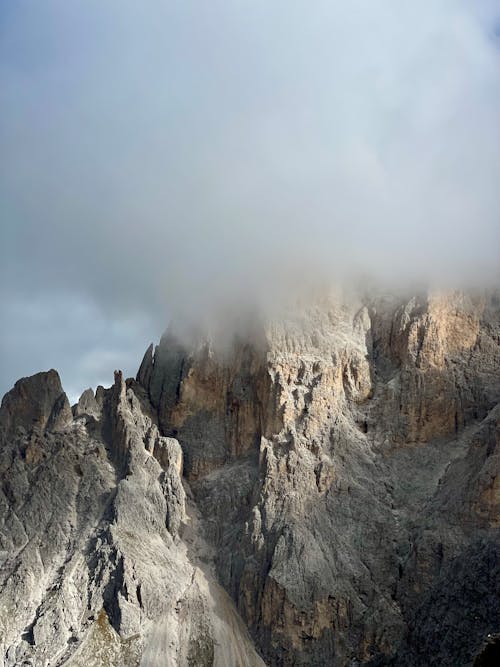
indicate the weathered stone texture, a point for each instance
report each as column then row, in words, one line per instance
column 323, row 490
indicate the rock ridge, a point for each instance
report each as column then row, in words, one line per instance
column 323, row 490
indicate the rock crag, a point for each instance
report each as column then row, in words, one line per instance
column 322, row 491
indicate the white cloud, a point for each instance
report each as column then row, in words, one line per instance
column 160, row 157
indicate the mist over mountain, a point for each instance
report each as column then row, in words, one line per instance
column 320, row 489
column 250, row 341
column 161, row 162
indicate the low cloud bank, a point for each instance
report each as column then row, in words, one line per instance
column 167, row 158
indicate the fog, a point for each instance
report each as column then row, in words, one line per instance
column 163, row 159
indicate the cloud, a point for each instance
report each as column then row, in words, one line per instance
column 166, row 157
column 57, row 330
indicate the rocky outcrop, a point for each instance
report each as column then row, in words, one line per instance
column 89, row 405
column 214, row 407
column 36, row 403
column 445, row 351
column 94, row 567
column 346, row 460
column 322, row 489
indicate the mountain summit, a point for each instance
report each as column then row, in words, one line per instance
column 322, row 491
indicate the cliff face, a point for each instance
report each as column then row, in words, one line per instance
column 330, row 482
column 94, row 570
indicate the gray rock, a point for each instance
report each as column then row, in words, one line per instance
column 37, row 402
column 321, row 490
column 346, row 470
column 87, row 405
column 94, row 567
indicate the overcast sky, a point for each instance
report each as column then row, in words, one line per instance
column 161, row 157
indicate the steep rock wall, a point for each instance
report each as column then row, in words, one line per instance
column 363, row 475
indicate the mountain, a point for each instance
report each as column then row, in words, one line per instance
column 319, row 488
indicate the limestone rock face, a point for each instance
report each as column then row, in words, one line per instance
column 323, row 489
column 88, row 405
column 94, row 566
column 346, row 464
column 446, row 350
column 37, row 402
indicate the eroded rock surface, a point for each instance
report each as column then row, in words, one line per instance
column 94, row 568
column 323, row 490
column 346, row 462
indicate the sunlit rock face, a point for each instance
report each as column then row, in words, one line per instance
column 103, row 559
column 320, row 489
column 346, row 462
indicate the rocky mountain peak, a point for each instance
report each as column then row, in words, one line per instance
column 323, row 491
column 36, row 402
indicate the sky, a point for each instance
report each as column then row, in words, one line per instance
column 159, row 159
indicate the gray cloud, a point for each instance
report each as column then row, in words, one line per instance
column 165, row 157
column 73, row 335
